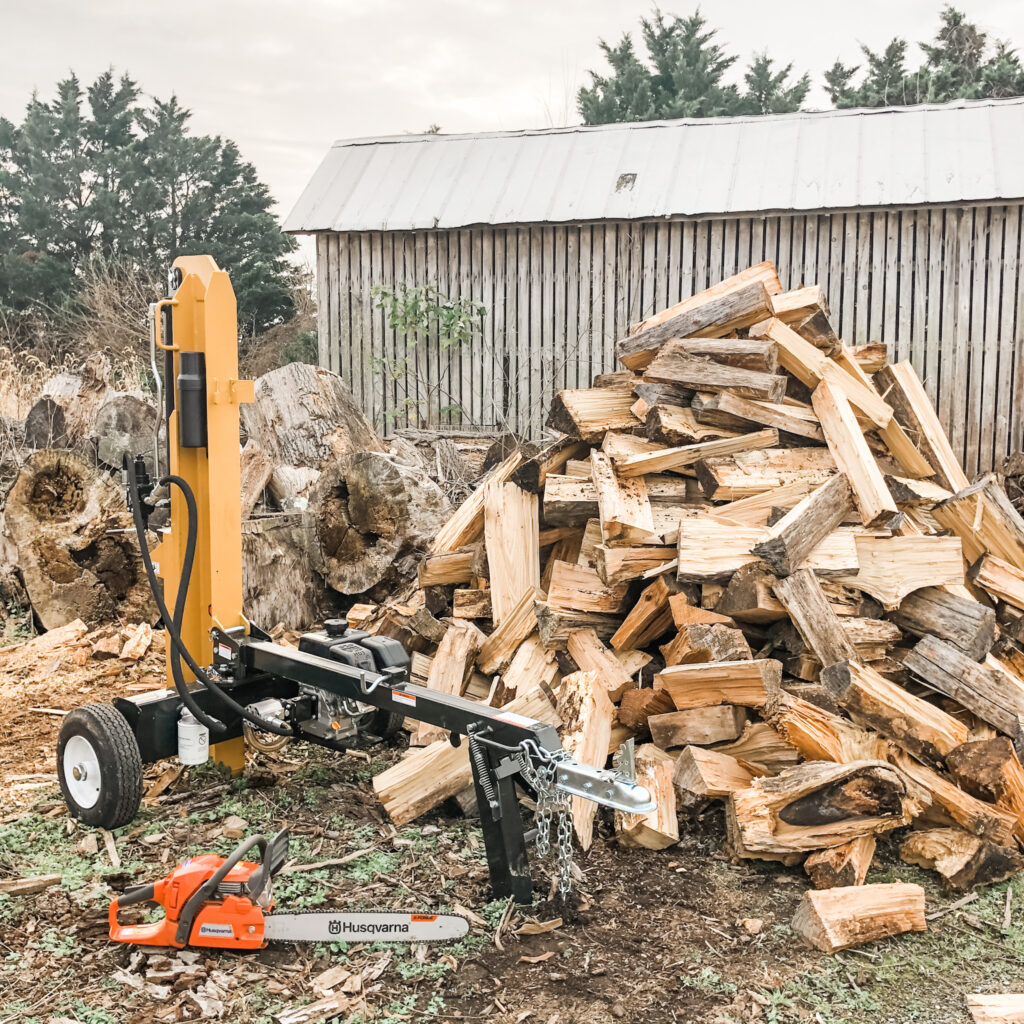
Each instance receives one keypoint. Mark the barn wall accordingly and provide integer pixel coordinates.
(941, 285)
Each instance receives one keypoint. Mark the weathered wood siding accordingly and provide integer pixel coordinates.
(940, 285)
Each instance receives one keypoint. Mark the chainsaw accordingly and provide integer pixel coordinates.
(227, 903)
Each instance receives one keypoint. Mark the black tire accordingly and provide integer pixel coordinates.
(120, 766)
(386, 723)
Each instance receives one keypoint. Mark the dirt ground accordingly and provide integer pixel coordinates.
(682, 935)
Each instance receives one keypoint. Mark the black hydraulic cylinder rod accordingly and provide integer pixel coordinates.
(192, 400)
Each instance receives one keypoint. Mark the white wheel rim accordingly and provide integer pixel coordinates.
(81, 771)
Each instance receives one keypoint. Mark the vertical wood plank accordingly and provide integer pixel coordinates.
(544, 332)
(324, 281)
(1004, 273)
(988, 252)
(650, 271)
(961, 383)
(612, 304)
(890, 328)
(339, 303)
(876, 289)
(1015, 296)
(574, 258)
(500, 385)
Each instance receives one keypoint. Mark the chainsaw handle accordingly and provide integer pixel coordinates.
(136, 894)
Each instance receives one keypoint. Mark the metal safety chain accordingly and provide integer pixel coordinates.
(539, 768)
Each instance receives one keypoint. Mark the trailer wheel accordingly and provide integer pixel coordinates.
(99, 767)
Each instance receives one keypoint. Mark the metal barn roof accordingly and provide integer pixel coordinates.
(891, 156)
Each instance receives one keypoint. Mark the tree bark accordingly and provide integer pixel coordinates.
(61, 515)
(305, 417)
(65, 412)
(366, 513)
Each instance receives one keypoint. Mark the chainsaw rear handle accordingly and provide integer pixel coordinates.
(136, 894)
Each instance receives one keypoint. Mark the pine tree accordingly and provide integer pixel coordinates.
(98, 174)
(684, 76)
(958, 65)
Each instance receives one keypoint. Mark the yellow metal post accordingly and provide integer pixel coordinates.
(204, 319)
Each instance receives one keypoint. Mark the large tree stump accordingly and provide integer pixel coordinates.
(60, 514)
(305, 417)
(367, 514)
(279, 584)
(65, 411)
(125, 424)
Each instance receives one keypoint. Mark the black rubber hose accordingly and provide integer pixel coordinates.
(173, 622)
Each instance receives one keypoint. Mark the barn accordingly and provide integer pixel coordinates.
(909, 218)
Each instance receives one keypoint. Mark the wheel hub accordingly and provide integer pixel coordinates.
(82, 771)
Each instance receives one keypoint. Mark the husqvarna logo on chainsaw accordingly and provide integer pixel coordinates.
(218, 930)
(334, 927)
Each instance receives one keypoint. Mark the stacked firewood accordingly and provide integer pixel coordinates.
(753, 551)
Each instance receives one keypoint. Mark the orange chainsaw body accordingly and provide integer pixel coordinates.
(226, 922)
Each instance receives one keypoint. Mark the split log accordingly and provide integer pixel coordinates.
(705, 775)
(623, 506)
(555, 625)
(819, 804)
(908, 493)
(659, 828)
(790, 541)
(279, 584)
(699, 726)
(125, 424)
(497, 650)
(852, 455)
(305, 418)
(1002, 1008)
(256, 472)
(820, 735)
(999, 579)
(577, 588)
(991, 770)
(76, 546)
(994, 695)
(871, 357)
(734, 412)
(762, 749)
(447, 567)
(425, 777)
(585, 648)
(872, 701)
(985, 521)
(811, 366)
(841, 866)
(569, 501)
(65, 412)
(937, 611)
(764, 272)
(977, 817)
(617, 565)
(752, 684)
(471, 604)
(639, 706)
(902, 389)
(588, 413)
(450, 670)
(818, 625)
(512, 543)
(674, 364)
(962, 860)
(683, 613)
(649, 619)
(687, 455)
(467, 524)
(890, 568)
(712, 550)
(835, 919)
(673, 424)
(756, 509)
(698, 643)
(587, 715)
(712, 318)
(748, 473)
(366, 512)
(532, 665)
(744, 353)
(750, 597)
(531, 474)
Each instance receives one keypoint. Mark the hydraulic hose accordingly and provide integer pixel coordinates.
(173, 622)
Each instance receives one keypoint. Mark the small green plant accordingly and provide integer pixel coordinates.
(303, 349)
(416, 314)
(708, 980)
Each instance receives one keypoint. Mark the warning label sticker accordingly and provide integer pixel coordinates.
(403, 698)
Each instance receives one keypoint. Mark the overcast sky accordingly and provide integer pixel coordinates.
(284, 79)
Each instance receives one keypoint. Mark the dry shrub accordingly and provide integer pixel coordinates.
(22, 377)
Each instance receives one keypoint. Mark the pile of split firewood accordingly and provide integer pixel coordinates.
(753, 551)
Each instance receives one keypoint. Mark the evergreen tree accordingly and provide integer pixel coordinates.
(684, 75)
(100, 174)
(958, 65)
